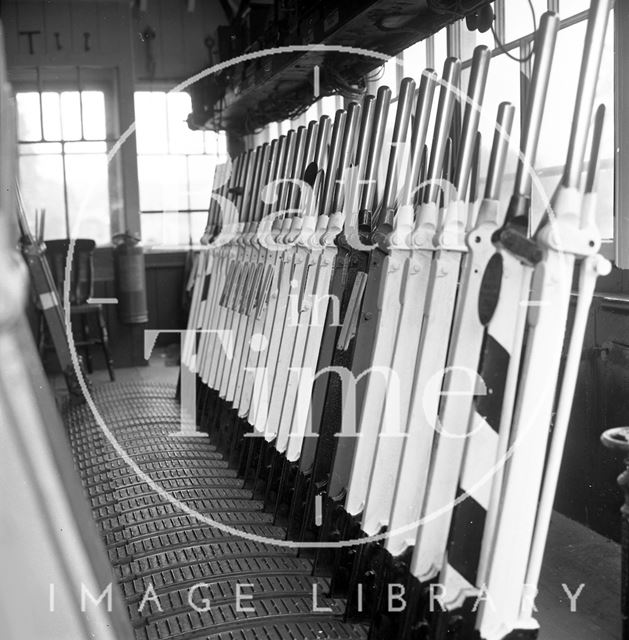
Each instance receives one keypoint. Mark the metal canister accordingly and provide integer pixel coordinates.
(130, 278)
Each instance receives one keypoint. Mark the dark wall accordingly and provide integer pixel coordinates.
(587, 490)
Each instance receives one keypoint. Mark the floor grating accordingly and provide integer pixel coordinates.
(182, 578)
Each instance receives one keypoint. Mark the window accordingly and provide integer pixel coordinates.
(175, 169)
(63, 165)
(518, 18)
(414, 60)
(437, 47)
(390, 74)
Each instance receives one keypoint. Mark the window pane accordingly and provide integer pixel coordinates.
(150, 121)
(163, 184)
(181, 138)
(605, 191)
(198, 221)
(94, 115)
(88, 197)
(40, 148)
(414, 60)
(71, 115)
(389, 77)
(28, 122)
(201, 174)
(311, 113)
(296, 122)
(572, 7)
(214, 142)
(519, 18)
(86, 147)
(167, 229)
(222, 144)
(41, 178)
(440, 40)
(327, 106)
(274, 130)
(51, 111)
(486, 38)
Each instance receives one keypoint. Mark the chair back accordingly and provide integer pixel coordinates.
(82, 271)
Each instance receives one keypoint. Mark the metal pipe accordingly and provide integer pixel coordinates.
(360, 157)
(234, 183)
(544, 48)
(323, 135)
(396, 155)
(284, 173)
(471, 118)
(366, 124)
(597, 134)
(253, 165)
(370, 173)
(297, 169)
(345, 154)
(325, 203)
(269, 153)
(262, 169)
(425, 98)
(475, 173)
(275, 171)
(311, 145)
(499, 149)
(445, 108)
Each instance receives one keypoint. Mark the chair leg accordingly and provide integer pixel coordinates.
(104, 336)
(85, 329)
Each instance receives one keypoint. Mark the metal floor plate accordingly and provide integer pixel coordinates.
(182, 578)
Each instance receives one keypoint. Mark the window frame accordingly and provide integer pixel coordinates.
(43, 79)
(218, 155)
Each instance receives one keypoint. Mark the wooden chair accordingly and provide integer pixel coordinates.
(81, 286)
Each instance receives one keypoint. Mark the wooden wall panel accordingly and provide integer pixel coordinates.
(30, 17)
(58, 34)
(86, 24)
(106, 22)
(196, 27)
(111, 36)
(142, 21)
(179, 48)
(9, 23)
(171, 38)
